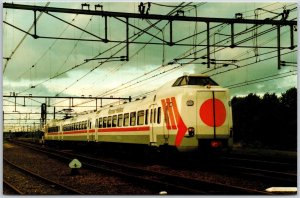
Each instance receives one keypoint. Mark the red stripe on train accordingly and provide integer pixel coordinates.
(74, 132)
(180, 124)
(128, 129)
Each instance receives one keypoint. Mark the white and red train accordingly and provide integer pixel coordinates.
(190, 113)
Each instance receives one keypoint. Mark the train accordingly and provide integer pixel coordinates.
(190, 113)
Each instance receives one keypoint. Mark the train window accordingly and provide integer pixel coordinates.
(158, 114)
(120, 120)
(104, 122)
(126, 119)
(96, 123)
(154, 119)
(184, 81)
(146, 116)
(109, 121)
(132, 118)
(141, 117)
(177, 82)
(85, 125)
(196, 80)
(100, 123)
(114, 121)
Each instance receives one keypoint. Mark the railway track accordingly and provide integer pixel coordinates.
(33, 183)
(280, 173)
(173, 184)
(10, 189)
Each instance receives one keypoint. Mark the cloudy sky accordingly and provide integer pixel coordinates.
(50, 67)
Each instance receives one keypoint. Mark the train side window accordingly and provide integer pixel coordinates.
(126, 119)
(132, 118)
(120, 120)
(114, 121)
(184, 81)
(109, 121)
(158, 115)
(104, 122)
(141, 117)
(146, 116)
(85, 125)
(177, 82)
(100, 122)
(151, 115)
(96, 123)
(154, 119)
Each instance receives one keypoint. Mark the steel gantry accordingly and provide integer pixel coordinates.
(170, 19)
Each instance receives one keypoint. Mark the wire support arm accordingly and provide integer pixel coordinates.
(101, 39)
(149, 16)
(144, 31)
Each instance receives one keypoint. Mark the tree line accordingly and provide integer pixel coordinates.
(269, 121)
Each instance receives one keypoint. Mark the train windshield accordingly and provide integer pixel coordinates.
(194, 80)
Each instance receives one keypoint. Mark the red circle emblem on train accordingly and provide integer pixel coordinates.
(207, 115)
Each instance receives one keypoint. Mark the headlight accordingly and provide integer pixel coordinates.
(191, 131)
(190, 103)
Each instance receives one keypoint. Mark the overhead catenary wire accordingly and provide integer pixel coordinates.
(180, 66)
(83, 63)
(22, 40)
(45, 52)
(137, 34)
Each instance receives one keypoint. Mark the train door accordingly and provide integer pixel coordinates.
(213, 108)
(90, 136)
(153, 124)
(96, 130)
(61, 132)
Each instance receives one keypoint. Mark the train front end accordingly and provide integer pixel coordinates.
(206, 114)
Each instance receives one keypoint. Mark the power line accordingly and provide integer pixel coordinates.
(23, 38)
